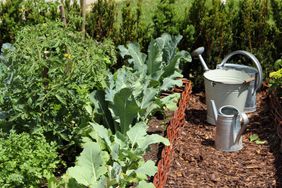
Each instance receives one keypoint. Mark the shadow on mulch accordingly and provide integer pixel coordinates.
(266, 131)
(208, 142)
(198, 164)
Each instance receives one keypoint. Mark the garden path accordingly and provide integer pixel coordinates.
(198, 164)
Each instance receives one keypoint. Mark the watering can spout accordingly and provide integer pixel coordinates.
(214, 109)
(198, 53)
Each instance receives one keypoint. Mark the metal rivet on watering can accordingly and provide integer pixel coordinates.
(229, 132)
(228, 86)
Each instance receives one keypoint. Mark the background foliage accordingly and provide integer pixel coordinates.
(46, 79)
(26, 160)
(254, 26)
(47, 74)
(17, 13)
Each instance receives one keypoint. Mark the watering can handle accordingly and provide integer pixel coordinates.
(258, 79)
(245, 120)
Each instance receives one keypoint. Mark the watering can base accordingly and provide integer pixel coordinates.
(250, 109)
(233, 148)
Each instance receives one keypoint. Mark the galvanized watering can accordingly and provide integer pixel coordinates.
(228, 136)
(227, 86)
(250, 105)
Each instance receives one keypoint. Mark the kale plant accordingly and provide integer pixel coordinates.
(116, 160)
(133, 93)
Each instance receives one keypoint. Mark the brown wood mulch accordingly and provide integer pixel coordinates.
(198, 164)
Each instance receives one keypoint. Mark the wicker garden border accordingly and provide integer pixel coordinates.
(276, 112)
(172, 133)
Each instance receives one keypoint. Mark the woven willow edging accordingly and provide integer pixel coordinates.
(172, 133)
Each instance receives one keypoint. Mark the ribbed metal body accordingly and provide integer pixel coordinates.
(227, 129)
(228, 136)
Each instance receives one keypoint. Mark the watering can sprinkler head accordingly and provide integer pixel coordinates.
(198, 53)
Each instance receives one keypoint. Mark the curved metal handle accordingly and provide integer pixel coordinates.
(258, 81)
(245, 120)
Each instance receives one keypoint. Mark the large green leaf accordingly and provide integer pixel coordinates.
(110, 90)
(170, 101)
(148, 97)
(102, 132)
(91, 165)
(101, 108)
(171, 81)
(137, 133)
(152, 139)
(170, 46)
(138, 136)
(105, 134)
(125, 77)
(154, 61)
(125, 109)
(173, 64)
(147, 169)
(148, 103)
(137, 57)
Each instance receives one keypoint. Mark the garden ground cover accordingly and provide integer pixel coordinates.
(198, 164)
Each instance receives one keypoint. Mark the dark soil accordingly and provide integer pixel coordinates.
(197, 163)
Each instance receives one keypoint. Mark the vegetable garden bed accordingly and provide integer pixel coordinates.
(194, 162)
(172, 132)
(74, 113)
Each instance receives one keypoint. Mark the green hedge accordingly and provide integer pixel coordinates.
(254, 26)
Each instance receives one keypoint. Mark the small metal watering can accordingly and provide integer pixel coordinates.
(228, 136)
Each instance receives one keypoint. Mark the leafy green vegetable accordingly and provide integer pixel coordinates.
(91, 165)
(133, 93)
(138, 136)
(161, 65)
(26, 161)
(125, 108)
(255, 138)
(170, 101)
(47, 78)
(115, 159)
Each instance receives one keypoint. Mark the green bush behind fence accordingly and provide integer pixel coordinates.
(255, 26)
